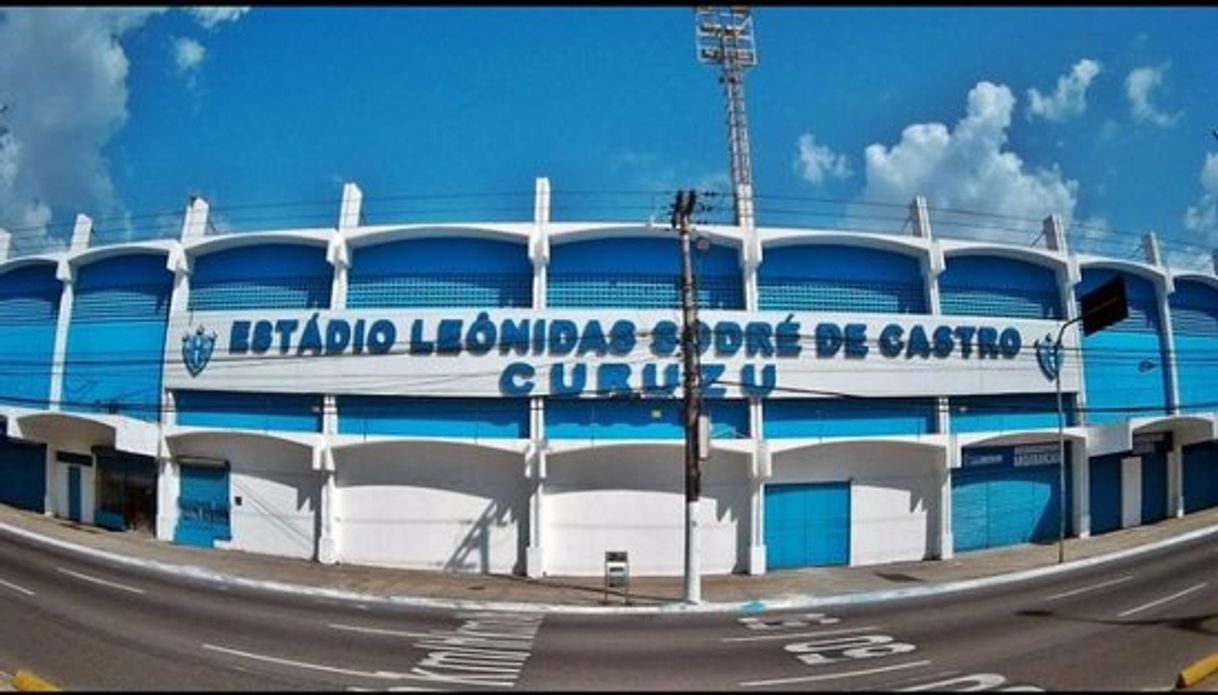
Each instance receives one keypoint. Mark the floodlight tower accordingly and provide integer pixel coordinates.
(725, 38)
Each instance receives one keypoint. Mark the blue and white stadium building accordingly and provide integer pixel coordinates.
(504, 397)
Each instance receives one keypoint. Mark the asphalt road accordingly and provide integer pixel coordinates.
(85, 624)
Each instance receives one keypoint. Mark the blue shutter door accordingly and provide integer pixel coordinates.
(807, 525)
(23, 481)
(1200, 477)
(1154, 487)
(1001, 506)
(203, 507)
(1105, 491)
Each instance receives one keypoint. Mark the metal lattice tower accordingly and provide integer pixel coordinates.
(725, 38)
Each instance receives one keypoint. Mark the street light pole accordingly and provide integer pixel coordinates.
(1061, 442)
(692, 385)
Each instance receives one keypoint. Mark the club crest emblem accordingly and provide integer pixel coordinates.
(196, 349)
(1050, 360)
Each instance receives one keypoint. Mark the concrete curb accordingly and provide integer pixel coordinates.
(1197, 672)
(27, 682)
(781, 602)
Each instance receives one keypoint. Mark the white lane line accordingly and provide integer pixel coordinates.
(1161, 601)
(800, 635)
(388, 675)
(831, 676)
(103, 582)
(1101, 585)
(14, 587)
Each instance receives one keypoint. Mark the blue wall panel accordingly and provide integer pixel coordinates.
(1200, 476)
(22, 474)
(489, 418)
(117, 336)
(1194, 317)
(29, 309)
(1154, 488)
(267, 276)
(1124, 364)
(583, 418)
(640, 273)
(288, 412)
(828, 277)
(996, 286)
(997, 506)
(1104, 489)
(807, 524)
(1008, 412)
(806, 417)
(441, 272)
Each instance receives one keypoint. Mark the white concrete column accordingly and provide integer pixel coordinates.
(1131, 491)
(81, 233)
(1068, 275)
(539, 241)
(947, 536)
(66, 274)
(1175, 481)
(535, 471)
(49, 497)
(350, 214)
(1163, 291)
(759, 471)
(5, 241)
(169, 488)
(194, 224)
(327, 551)
(1082, 489)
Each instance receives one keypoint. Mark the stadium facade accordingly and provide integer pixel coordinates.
(506, 397)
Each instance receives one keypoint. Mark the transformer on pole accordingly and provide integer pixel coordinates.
(725, 38)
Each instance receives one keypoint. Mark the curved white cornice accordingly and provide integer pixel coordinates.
(1040, 257)
(907, 245)
(340, 443)
(383, 234)
(213, 244)
(935, 442)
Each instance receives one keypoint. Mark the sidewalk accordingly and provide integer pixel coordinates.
(588, 592)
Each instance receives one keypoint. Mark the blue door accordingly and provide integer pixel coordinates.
(1200, 476)
(203, 516)
(807, 524)
(1104, 489)
(999, 506)
(23, 481)
(1154, 487)
(74, 493)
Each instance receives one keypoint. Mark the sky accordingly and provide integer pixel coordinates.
(998, 116)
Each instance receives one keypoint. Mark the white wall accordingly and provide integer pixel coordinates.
(88, 490)
(431, 506)
(1131, 491)
(278, 490)
(632, 498)
(894, 496)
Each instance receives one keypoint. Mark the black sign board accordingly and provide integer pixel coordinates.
(1104, 306)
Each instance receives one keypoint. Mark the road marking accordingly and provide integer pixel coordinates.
(103, 582)
(14, 587)
(1161, 601)
(800, 635)
(387, 675)
(831, 676)
(1101, 585)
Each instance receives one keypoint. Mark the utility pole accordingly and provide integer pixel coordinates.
(695, 448)
(724, 36)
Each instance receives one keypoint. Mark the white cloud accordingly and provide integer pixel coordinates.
(1070, 97)
(966, 168)
(1138, 86)
(817, 162)
(211, 17)
(188, 53)
(63, 75)
(1203, 217)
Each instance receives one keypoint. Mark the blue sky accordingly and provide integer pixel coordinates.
(266, 112)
